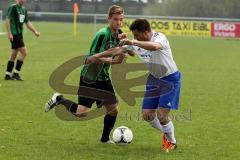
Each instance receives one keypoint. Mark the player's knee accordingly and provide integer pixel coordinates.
(113, 112)
(13, 57)
(81, 115)
(163, 120)
(24, 55)
(112, 109)
(148, 116)
(82, 111)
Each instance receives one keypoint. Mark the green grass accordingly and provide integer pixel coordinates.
(210, 88)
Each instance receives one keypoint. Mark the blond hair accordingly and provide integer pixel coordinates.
(115, 9)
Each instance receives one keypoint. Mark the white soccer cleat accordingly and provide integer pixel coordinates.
(52, 102)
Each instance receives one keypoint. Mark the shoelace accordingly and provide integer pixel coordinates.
(50, 102)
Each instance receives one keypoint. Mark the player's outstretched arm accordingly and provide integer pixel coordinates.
(147, 45)
(118, 59)
(106, 56)
(32, 28)
(112, 60)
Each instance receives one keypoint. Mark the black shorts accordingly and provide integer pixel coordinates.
(17, 41)
(106, 89)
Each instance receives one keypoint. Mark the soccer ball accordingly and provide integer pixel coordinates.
(122, 135)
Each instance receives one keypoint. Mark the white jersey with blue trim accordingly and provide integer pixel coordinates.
(160, 63)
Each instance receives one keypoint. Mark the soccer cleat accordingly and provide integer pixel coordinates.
(164, 142)
(53, 101)
(166, 145)
(17, 77)
(108, 142)
(171, 147)
(8, 77)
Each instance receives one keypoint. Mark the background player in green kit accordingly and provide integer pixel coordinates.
(16, 17)
(97, 77)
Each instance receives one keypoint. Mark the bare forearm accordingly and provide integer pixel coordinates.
(107, 53)
(106, 56)
(31, 27)
(105, 60)
(8, 26)
(118, 59)
(112, 60)
(152, 46)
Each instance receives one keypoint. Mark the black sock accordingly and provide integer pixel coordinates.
(10, 66)
(109, 122)
(70, 105)
(19, 65)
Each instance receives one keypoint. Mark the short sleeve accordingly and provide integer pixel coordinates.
(97, 44)
(160, 38)
(10, 12)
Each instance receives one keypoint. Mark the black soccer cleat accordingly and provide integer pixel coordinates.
(8, 77)
(17, 77)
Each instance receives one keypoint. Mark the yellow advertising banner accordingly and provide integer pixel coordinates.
(176, 28)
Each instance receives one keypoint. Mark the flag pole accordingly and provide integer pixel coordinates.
(75, 13)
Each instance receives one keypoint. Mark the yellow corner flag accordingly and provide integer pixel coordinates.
(75, 12)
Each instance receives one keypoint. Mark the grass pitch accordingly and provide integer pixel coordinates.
(206, 124)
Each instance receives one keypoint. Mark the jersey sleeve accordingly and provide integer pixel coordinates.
(97, 44)
(26, 17)
(10, 12)
(160, 38)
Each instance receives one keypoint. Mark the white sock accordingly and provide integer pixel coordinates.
(168, 129)
(8, 73)
(16, 71)
(155, 123)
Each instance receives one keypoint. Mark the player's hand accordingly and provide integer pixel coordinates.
(125, 50)
(37, 34)
(126, 42)
(131, 53)
(10, 37)
(122, 36)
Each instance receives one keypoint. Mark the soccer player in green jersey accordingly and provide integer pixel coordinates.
(97, 78)
(16, 16)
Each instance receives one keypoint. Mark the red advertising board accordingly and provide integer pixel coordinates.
(225, 29)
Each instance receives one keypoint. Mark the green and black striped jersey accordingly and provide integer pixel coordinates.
(17, 15)
(103, 40)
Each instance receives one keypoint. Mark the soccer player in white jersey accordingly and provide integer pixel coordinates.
(154, 49)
